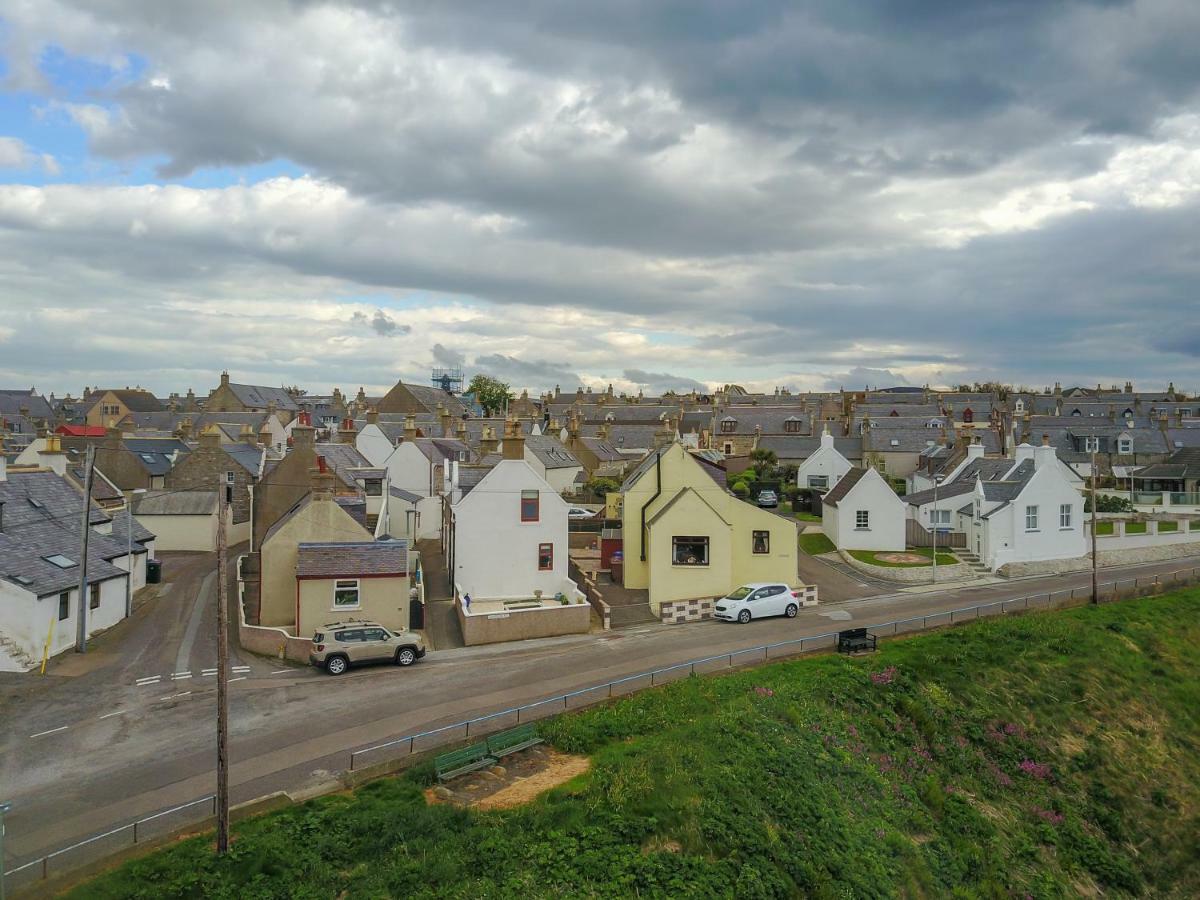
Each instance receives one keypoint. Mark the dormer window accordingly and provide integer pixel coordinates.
(1091, 445)
(1020, 406)
(968, 415)
(728, 425)
(791, 426)
(1124, 444)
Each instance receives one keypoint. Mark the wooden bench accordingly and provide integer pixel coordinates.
(460, 762)
(505, 742)
(855, 639)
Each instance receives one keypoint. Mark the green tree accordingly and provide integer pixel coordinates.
(603, 486)
(491, 393)
(763, 462)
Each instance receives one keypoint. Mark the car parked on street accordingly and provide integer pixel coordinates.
(580, 512)
(339, 645)
(758, 601)
(768, 499)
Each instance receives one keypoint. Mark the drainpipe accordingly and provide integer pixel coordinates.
(658, 490)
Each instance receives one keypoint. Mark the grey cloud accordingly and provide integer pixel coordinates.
(447, 357)
(862, 376)
(521, 373)
(661, 382)
(381, 323)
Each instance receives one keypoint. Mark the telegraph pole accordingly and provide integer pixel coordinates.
(222, 679)
(85, 528)
(1095, 561)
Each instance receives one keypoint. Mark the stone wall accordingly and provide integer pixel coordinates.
(1126, 557)
(908, 575)
(523, 624)
(205, 468)
(675, 612)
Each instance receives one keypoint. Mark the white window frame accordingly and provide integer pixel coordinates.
(1066, 512)
(1125, 446)
(818, 481)
(862, 520)
(1091, 445)
(940, 517)
(1031, 517)
(347, 584)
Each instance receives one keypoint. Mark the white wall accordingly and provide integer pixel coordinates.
(886, 528)
(373, 444)
(25, 620)
(409, 469)
(825, 460)
(495, 553)
(1009, 541)
(182, 532)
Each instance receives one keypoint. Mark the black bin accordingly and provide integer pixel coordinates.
(153, 571)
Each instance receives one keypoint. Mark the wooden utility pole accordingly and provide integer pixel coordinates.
(222, 678)
(1095, 561)
(85, 529)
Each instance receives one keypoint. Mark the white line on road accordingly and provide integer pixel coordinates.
(235, 668)
(51, 731)
(151, 680)
(207, 671)
(183, 693)
(231, 680)
(119, 712)
(277, 671)
(176, 676)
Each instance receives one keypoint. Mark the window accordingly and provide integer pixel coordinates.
(792, 426)
(728, 426)
(64, 606)
(374, 487)
(345, 594)
(374, 634)
(761, 542)
(940, 518)
(545, 557)
(689, 551)
(862, 519)
(229, 478)
(1125, 445)
(530, 506)
(728, 449)
(818, 481)
(94, 596)
(1031, 518)
(59, 560)
(968, 416)
(1091, 445)
(1064, 516)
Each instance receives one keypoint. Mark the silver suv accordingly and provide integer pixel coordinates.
(339, 645)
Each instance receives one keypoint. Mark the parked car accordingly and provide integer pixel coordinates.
(579, 512)
(768, 499)
(757, 601)
(339, 645)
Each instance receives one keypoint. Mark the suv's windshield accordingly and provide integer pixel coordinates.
(740, 594)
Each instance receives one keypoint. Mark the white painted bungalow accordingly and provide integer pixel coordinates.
(824, 468)
(862, 512)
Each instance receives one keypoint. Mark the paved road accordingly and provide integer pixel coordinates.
(292, 729)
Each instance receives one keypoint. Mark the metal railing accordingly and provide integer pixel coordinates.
(421, 742)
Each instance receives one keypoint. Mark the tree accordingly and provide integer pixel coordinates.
(491, 393)
(603, 486)
(763, 462)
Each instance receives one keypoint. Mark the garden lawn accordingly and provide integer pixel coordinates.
(815, 543)
(1051, 755)
(1104, 527)
(869, 557)
(1135, 527)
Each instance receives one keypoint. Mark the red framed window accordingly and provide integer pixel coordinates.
(545, 557)
(530, 506)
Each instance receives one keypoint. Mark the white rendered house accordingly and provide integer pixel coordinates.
(824, 468)
(862, 512)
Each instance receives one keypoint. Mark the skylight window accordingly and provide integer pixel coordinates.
(148, 457)
(61, 561)
(23, 579)
(36, 503)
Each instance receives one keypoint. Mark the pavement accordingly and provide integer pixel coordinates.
(82, 754)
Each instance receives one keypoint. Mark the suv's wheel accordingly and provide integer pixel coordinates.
(744, 616)
(406, 656)
(791, 611)
(335, 665)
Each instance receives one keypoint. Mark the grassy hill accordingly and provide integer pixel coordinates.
(1052, 755)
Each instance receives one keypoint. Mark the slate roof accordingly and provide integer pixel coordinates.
(1004, 492)
(1183, 463)
(341, 458)
(409, 496)
(175, 503)
(153, 454)
(625, 436)
(550, 452)
(603, 450)
(986, 469)
(352, 560)
(1180, 438)
(786, 446)
(256, 395)
(642, 468)
(907, 440)
(249, 458)
(470, 476)
(842, 488)
(12, 400)
(944, 492)
(769, 419)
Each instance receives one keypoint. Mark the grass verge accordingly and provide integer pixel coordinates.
(1050, 755)
(816, 543)
(871, 557)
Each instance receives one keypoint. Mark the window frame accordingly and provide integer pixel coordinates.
(862, 520)
(1032, 517)
(1124, 446)
(94, 595)
(545, 558)
(533, 514)
(1091, 445)
(763, 535)
(346, 585)
(64, 606)
(698, 540)
(1066, 516)
(823, 486)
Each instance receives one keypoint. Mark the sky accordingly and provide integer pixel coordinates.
(654, 195)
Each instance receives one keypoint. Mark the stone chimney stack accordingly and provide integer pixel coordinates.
(488, 442)
(224, 380)
(1129, 387)
(975, 449)
(303, 434)
(322, 480)
(460, 430)
(185, 429)
(1163, 421)
(346, 432)
(1179, 416)
(372, 415)
(210, 437)
(514, 440)
(444, 419)
(247, 436)
(1112, 413)
(573, 426)
(410, 427)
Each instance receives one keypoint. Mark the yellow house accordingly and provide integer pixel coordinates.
(367, 580)
(685, 536)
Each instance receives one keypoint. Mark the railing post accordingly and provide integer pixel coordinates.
(135, 825)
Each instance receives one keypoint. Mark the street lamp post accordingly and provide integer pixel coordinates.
(937, 479)
(4, 807)
(128, 555)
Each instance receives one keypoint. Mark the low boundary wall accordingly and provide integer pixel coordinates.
(264, 639)
(910, 574)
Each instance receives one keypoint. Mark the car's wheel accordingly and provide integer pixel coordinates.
(744, 616)
(791, 611)
(406, 656)
(335, 665)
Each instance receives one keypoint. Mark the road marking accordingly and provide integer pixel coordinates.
(280, 671)
(207, 672)
(241, 668)
(232, 680)
(150, 680)
(199, 602)
(184, 694)
(119, 712)
(179, 676)
(51, 731)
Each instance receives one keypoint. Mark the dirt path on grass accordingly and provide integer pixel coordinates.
(522, 778)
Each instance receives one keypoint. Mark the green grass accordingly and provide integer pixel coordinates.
(1135, 527)
(870, 557)
(1050, 755)
(816, 543)
(1194, 525)
(1102, 527)
(1163, 526)
(785, 507)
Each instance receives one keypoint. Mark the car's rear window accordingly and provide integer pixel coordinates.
(740, 594)
(318, 637)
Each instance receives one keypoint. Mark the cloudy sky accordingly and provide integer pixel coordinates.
(647, 194)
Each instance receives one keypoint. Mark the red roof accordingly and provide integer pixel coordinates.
(81, 430)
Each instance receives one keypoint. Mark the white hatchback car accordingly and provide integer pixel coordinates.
(758, 601)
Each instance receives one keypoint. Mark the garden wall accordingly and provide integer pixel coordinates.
(908, 575)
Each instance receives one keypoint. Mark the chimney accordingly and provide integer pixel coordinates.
(557, 391)
(303, 436)
(361, 397)
(826, 437)
(1043, 455)
(225, 378)
(191, 400)
(1162, 420)
(1179, 416)
(974, 450)
(210, 437)
(1057, 389)
(271, 408)
(372, 415)
(514, 440)
(1024, 451)
(604, 431)
(460, 430)
(3, 466)
(322, 480)
(444, 418)
(185, 429)
(1129, 387)
(1112, 413)
(346, 433)
(247, 436)
(488, 442)
(410, 427)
